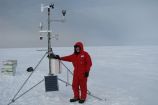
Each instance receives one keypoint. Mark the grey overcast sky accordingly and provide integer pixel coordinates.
(95, 22)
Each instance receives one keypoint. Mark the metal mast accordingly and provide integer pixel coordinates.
(48, 31)
(49, 41)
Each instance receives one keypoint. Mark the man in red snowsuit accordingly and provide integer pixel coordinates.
(81, 61)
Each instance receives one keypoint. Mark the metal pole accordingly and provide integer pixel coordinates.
(49, 41)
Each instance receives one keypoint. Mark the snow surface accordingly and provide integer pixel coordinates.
(124, 75)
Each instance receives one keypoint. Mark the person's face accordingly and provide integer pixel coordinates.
(77, 49)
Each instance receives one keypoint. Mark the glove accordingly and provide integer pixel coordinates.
(86, 74)
(57, 57)
(53, 56)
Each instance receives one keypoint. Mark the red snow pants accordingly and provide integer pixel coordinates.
(79, 86)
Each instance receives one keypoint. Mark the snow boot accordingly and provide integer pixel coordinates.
(73, 100)
(81, 101)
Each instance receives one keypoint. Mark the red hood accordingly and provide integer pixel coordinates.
(80, 44)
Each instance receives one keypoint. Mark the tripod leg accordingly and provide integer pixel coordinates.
(13, 99)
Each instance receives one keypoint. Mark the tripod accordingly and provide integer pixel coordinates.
(16, 97)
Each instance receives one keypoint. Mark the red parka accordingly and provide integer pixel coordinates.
(82, 63)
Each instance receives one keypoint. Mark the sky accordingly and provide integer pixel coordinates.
(94, 22)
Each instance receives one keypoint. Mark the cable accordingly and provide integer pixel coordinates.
(66, 67)
(67, 77)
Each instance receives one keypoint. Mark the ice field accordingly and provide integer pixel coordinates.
(124, 75)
